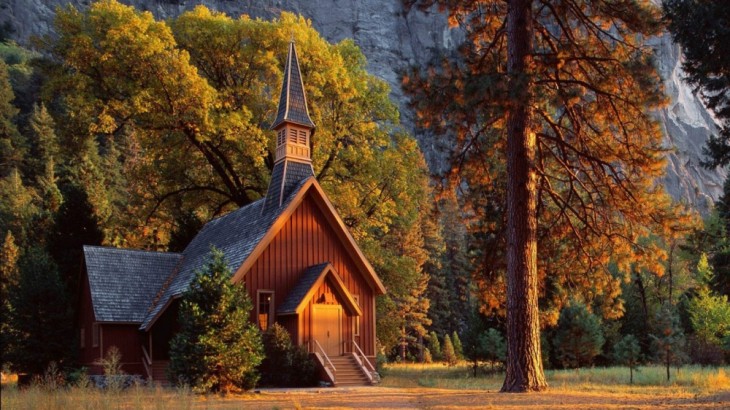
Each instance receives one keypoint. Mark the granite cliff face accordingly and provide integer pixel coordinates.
(394, 38)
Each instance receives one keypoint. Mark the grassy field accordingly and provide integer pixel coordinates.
(694, 379)
(420, 386)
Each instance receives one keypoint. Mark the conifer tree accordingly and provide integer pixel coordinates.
(9, 255)
(549, 104)
(628, 352)
(41, 316)
(579, 337)
(709, 313)
(668, 340)
(449, 287)
(74, 226)
(18, 206)
(495, 348)
(43, 141)
(458, 348)
(449, 353)
(217, 349)
(700, 28)
(435, 346)
(12, 143)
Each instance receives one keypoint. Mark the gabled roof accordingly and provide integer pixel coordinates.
(292, 101)
(311, 186)
(309, 281)
(236, 234)
(124, 281)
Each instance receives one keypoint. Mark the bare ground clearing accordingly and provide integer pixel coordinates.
(368, 398)
(426, 398)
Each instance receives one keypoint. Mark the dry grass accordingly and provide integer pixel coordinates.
(420, 386)
(693, 379)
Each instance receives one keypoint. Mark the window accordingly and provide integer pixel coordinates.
(292, 136)
(302, 137)
(356, 331)
(280, 137)
(95, 335)
(265, 309)
(82, 338)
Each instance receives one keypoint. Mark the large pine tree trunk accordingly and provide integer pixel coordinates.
(524, 362)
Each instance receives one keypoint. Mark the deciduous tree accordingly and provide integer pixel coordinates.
(178, 112)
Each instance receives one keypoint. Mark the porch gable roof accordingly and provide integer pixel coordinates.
(310, 280)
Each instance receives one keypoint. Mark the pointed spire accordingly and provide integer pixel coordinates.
(293, 101)
(294, 128)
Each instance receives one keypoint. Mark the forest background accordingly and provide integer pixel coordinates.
(128, 131)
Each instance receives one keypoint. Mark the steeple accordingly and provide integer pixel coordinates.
(294, 128)
(292, 124)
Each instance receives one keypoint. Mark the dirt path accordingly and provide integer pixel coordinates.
(422, 398)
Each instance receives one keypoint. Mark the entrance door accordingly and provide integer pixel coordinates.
(326, 328)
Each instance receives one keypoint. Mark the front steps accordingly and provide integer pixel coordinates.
(159, 372)
(348, 372)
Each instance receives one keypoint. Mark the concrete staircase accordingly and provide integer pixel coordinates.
(159, 372)
(348, 372)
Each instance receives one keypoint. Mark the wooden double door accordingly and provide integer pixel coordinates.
(327, 328)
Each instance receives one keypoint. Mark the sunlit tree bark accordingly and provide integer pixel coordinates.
(524, 364)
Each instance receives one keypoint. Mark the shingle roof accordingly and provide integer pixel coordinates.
(236, 234)
(310, 279)
(284, 178)
(292, 101)
(123, 282)
(299, 291)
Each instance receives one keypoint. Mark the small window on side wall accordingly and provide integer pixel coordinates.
(356, 331)
(265, 309)
(95, 335)
(82, 338)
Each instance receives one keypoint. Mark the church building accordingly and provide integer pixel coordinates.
(299, 263)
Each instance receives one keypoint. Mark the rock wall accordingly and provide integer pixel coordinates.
(394, 39)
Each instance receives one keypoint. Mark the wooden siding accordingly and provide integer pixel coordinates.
(88, 354)
(128, 339)
(307, 239)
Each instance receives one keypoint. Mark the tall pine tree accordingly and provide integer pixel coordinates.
(554, 100)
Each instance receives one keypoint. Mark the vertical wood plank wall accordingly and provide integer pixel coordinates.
(306, 240)
(85, 319)
(128, 339)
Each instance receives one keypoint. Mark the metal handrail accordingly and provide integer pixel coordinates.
(372, 368)
(147, 362)
(325, 355)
